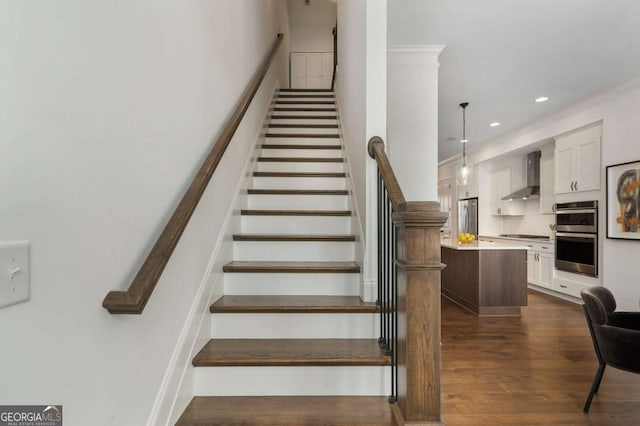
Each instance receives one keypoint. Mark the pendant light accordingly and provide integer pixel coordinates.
(464, 173)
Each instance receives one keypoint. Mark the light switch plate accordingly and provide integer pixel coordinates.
(14, 273)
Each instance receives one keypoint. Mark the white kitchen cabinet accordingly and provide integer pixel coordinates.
(572, 288)
(547, 199)
(540, 261)
(501, 186)
(577, 161)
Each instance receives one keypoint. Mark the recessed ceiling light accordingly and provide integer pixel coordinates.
(464, 140)
(542, 99)
(494, 124)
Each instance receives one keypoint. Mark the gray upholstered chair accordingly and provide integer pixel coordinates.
(615, 335)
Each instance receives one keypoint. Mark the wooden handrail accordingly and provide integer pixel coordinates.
(377, 152)
(134, 299)
(335, 55)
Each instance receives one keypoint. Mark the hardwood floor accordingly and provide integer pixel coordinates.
(533, 370)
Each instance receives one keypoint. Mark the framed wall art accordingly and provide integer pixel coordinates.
(623, 201)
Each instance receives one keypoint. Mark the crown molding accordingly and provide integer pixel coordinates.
(415, 54)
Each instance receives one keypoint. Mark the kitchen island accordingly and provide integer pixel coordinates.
(487, 278)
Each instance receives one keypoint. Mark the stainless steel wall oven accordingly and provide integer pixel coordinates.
(577, 237)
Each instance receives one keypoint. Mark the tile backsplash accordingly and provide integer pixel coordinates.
(531, 223)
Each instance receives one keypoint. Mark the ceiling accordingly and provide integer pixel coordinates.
(502, 54)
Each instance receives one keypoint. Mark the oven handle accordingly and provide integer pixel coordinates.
(576, 235)
(569, 211)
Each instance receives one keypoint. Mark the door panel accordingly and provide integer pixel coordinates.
(311, 70)
(298, 70)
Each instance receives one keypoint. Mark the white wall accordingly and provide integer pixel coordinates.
(413, 119)
(107, 109)
(311, 25)
(618, 108)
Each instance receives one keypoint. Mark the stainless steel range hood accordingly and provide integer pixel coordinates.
(532, 190)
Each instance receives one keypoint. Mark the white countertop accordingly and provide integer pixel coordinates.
(482, 245)
(533, 240)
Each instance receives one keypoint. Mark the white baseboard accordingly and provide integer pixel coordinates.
(555, 294)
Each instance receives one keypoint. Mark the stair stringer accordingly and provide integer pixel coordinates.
(178, 385)
(368, 287)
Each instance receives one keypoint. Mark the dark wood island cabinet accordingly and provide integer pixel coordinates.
(489, 279)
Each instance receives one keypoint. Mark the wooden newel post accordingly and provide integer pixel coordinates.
(419, 267)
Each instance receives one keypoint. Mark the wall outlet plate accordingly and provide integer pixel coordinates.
(14, 273)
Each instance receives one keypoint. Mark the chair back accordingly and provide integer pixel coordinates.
(614, 344)
(599, 302)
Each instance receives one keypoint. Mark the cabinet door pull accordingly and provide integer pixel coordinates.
(571, 185)
(576, 186)
(563, 286)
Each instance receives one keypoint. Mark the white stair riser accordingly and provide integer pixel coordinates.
(322, 284)
(303, 130)
(294, 326)
(298, 182)
(276, 120)
(303, 380)
(294, 251)
(308, 141)
(298, 153)
(298, 202)
(295, 225)
(273, 113)
(284, 166)
(303, 182)
(304, 97)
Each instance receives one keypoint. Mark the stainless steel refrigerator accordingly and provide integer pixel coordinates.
(468, 216)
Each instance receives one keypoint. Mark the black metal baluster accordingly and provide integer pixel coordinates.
(385, 296)
(394, 304)
(389, 260)
(380, 259)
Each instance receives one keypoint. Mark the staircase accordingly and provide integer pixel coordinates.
(292, 343)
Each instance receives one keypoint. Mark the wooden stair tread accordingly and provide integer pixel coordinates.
(291, 267)
(310, 96)
(303, 117)
(287, 411)
(291, 352)
(300, 146)
(303, 135)
(301, 102)
(256, 212)
(293, 237)
(254, 191)
(303, 126)
(307, 90)
(300, 160)
(301, 174)
(293, 304)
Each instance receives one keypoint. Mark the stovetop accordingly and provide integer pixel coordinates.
(526, 236)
